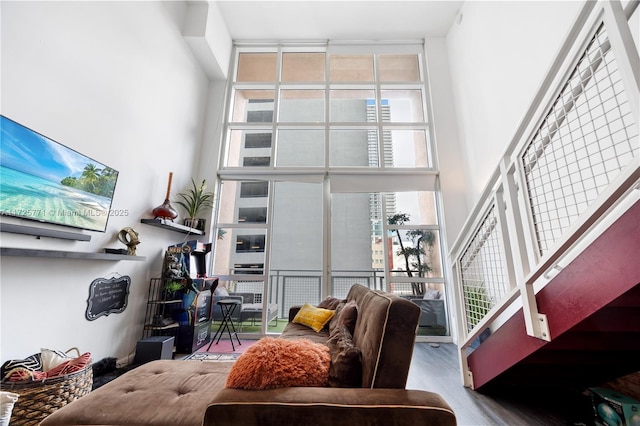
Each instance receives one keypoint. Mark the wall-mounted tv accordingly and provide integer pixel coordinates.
(43, 180)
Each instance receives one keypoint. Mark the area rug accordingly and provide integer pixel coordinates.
(221, 351)
(210, 356)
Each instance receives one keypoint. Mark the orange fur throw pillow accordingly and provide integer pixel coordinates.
(275, 363)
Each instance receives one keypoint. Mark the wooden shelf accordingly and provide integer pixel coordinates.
(60, 254)
(167, 224)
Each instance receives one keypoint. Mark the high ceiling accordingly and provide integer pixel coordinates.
(338, 20)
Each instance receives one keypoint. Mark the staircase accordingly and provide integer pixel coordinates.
(593, 306)
(563, 193)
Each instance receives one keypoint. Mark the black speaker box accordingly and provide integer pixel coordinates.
(154, 347)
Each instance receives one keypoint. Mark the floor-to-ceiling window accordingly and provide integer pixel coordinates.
(329, 178)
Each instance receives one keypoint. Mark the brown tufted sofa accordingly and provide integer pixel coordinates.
(193, 393)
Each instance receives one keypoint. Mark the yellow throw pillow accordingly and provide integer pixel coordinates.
(313, 317)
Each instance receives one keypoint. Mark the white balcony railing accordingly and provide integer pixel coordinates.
(572, 165)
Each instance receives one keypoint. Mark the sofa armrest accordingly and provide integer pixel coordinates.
(328, 406)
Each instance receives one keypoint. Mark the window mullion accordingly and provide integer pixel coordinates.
(379, 118)
(327, 116)
(276, 109)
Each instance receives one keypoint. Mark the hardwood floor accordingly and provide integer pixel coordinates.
(436, 369)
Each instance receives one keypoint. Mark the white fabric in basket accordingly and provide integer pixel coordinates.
(7, 400)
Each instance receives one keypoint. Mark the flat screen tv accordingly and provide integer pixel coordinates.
(43, 180)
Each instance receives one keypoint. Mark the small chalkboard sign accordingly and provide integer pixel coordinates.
(107, 296)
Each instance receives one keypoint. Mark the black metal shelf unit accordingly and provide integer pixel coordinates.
(180, 308)
(158, 318)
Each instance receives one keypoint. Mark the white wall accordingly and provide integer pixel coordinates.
(117, 82)
(453, 179)
(499, 53)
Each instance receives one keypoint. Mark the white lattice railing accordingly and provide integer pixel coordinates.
(572, 165)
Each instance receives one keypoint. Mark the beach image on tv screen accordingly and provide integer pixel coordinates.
(43, 180)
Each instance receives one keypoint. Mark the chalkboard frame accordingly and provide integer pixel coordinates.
(97, 308)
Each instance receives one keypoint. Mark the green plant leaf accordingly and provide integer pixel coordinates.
(195, 199)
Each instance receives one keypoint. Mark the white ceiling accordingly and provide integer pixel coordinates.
(338, 20)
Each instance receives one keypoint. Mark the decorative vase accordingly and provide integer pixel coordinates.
(165, 210)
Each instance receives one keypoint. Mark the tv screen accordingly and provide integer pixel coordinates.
(43, 180)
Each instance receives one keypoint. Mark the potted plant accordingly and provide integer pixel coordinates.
(193, 201)
(417, 258)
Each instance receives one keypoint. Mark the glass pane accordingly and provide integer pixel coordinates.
(254, 189)
(244, 144)
(240, 251)
(247, 320)
(399, 68)
(307, 67)
(402, 106)
(235, 196)
(252, 214)
(302, 106)
(253, 106)
(355, 68)
(297, 148)
(354, 148)
(256, 161)
(296, 249)
(433, 318)
(256, 67)
(354, 243)
(415, 253)
(353, 105)
(405, 148)
(418, 208)
(250, 243)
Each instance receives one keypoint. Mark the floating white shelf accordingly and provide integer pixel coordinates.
(60, 254)
(167, 224)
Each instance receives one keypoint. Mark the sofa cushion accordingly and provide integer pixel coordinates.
(163, 392)
(431, 294)
(274, 363)
(347, 315)
(345, 370)
(313, 317)
(385, 333)
(298, 331)
(328, 407)
(329, 302)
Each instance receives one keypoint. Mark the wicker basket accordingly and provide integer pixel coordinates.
(38, 399)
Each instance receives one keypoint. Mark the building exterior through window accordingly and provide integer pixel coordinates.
(328, 178)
